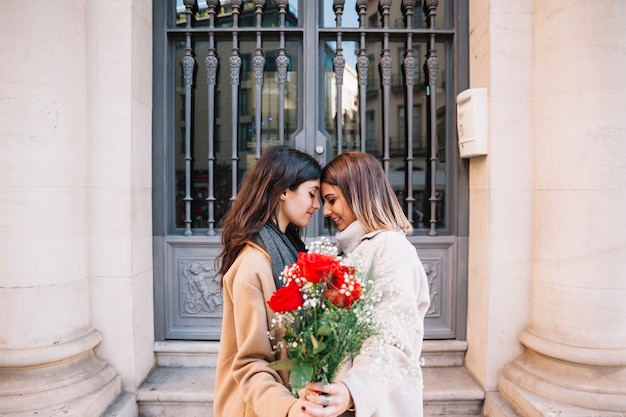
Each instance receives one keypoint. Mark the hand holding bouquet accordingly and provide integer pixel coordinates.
(324, 313)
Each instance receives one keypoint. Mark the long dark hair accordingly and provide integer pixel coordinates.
(365, 186)
(279, 168)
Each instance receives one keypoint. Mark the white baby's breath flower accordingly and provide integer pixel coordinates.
(322, 246)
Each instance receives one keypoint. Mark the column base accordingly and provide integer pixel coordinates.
(527, 404)
(539, 385)
(44, 382)
(93, 404)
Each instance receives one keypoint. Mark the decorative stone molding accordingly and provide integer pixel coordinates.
(200, 287)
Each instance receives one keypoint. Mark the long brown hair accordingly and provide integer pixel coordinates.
(365, 186)
(279, 168)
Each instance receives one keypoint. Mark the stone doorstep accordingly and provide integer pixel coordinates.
(436, 353)
(177, 391)
(497, 406)
(172, 391)
(451, 383)
(124, 406)
(182, 383)
(451, 392)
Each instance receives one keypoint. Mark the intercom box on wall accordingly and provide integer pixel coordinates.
(471, 111)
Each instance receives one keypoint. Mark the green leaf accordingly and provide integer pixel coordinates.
(319, 347)
(324, 330)
(285, 364)
(300, 375)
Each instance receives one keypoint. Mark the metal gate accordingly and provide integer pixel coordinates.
(234, 77)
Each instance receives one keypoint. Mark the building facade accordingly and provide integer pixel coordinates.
(534, 235)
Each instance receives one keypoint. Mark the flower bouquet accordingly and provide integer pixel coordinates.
(324, 313)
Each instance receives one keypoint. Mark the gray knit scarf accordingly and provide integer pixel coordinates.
(282, 247)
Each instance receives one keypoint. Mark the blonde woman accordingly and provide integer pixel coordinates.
(385, 379)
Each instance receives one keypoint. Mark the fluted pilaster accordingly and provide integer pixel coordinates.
(47, 360)
(576, 340)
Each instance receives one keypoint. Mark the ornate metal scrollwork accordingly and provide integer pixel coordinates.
(235, 66)
(258, 63)
(211, 62)
(282, 64)
(433, 67)
(409, 69)
(339, 63)
(362, 65)
(385, 68)
(188, 64)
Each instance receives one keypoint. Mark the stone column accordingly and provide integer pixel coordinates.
(47, 360)
(576, 340)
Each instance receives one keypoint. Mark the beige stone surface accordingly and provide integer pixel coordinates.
(500, 188)
(75, 163)
(120, 194)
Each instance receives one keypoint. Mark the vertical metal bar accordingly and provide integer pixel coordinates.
(235, 67)
(362, 65)
(385, 72)
(282, 63)
(339, 64)
(211, 62)
(188, 63)
(409, 65)
(432, 63)
(258, 62)
(310, 138)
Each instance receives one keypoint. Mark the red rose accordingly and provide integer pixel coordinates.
(343, 289)
(287, 298)
(316, 267)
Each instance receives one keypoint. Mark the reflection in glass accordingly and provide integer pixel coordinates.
(245, 122)
(349, 100)
(350, 17)
(419, 118)
(247, 14)
(359, 112)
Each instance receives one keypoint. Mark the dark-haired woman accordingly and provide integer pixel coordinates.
(260, 236)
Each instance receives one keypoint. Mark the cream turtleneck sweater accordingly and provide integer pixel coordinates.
(350, 237)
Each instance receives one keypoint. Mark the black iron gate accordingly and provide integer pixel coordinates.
(234, 77)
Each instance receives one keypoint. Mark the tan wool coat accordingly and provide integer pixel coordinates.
(244, 385)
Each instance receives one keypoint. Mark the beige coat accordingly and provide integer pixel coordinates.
(244, 385)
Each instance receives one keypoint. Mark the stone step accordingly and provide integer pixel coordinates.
(497, 406)
(181, 385)
(177, 392)
(451, 392)
(436, 353)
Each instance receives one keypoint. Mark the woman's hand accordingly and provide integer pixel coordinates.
(299, 408)
(326, 400)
